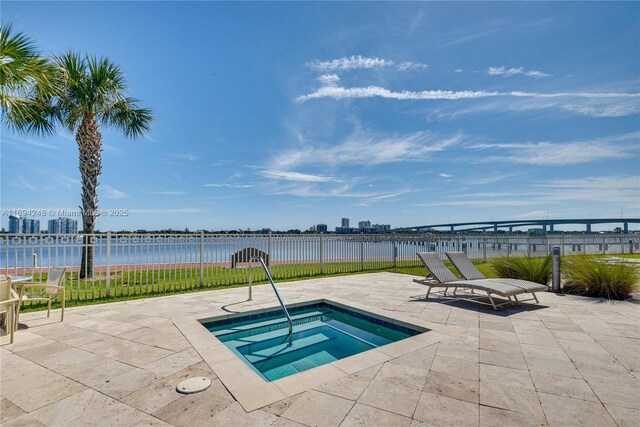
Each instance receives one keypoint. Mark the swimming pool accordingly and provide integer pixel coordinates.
(322, 333)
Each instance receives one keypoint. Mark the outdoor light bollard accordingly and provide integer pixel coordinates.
(555, 269)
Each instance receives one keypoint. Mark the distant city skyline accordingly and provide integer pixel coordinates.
(293, 114)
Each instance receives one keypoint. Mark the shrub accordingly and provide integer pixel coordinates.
(532, 269)
(587, 276)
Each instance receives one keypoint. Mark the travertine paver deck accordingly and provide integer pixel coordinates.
(567, 361)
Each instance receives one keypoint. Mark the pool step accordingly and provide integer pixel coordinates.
(280, 347)
(223, 334)
(271, 327)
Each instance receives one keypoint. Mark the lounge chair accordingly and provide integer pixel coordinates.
(8, 303)
(469, 271)
(53, 288)
(442, 277)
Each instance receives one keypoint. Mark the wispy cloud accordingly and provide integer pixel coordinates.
(231, 185)
(491, 179)
(562, 153)
(596, 190)
(409, 65)
(597, 107)
(445, 175)
(349, 63)
(185, 156)
(508, 72)
(22, 183)
(169, 193)
(355, 62)
(338, 92)
(112, 192)
(296, 176)
(600, 189)
(593, 104)
(363, 148)
(24, 140)
(166, 211)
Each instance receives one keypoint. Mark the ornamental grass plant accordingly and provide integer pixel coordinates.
(595, 278)
(532, 269)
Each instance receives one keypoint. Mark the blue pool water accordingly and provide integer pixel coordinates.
(322, 333)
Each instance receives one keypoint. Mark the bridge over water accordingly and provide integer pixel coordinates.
(546, 224)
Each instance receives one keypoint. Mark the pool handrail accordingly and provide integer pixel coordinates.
(273, 285)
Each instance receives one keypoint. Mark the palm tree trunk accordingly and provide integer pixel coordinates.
(90, 144)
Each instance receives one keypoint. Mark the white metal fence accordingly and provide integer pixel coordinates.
(138, 264)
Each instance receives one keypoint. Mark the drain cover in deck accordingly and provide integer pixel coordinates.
(193, 385)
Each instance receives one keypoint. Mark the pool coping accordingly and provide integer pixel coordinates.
(253, 392)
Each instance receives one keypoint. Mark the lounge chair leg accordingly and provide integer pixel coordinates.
(445, 292)
(10, 322)
(492, 303)
(17, 318)
(454, 290)
(535, 297)
(428, 292)
(516, 298)
(49, 308)
(62, 304)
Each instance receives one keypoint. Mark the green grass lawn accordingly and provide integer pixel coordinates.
(153, 283)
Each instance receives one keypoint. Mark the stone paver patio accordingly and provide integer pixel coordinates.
(567, 361)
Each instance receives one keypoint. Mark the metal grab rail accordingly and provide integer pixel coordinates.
(273, 285)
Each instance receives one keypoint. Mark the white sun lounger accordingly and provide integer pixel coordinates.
(469, 271)
(442, 277)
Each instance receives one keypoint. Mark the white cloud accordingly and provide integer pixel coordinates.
(337, 92)
(537, 74)
(23, 184)
(355, 62)
(113, 193)
(169, 193)
(296, 176)
(231, 185)
(403, 66)
(616, 105)
(186, 156)
(483, 203)
(594, 190)
(562, 153)
(490, 179)
(445, 175)
(329, 79)
(349, 63)
(166, 211)
(601, 189)
(594, 104)
(365, 149)
(508, 72)
(459, 70)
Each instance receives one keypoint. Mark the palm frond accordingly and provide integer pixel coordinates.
(126, 116)
(27, 83)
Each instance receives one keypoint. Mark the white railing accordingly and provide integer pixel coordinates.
(139, 264)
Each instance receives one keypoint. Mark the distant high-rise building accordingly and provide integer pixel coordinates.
(15, 224)
(63, 226)
(31, 226)
(381, 227)
(321, 228)
(364, 224)
(345, 222)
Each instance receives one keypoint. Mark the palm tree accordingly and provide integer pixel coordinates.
(92, 93)
(26, 78)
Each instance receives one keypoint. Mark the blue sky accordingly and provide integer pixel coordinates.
(285, 115)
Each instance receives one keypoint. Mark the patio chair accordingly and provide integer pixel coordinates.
(469, 271)
(8, 305)
(442, 277)
(53, 288)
